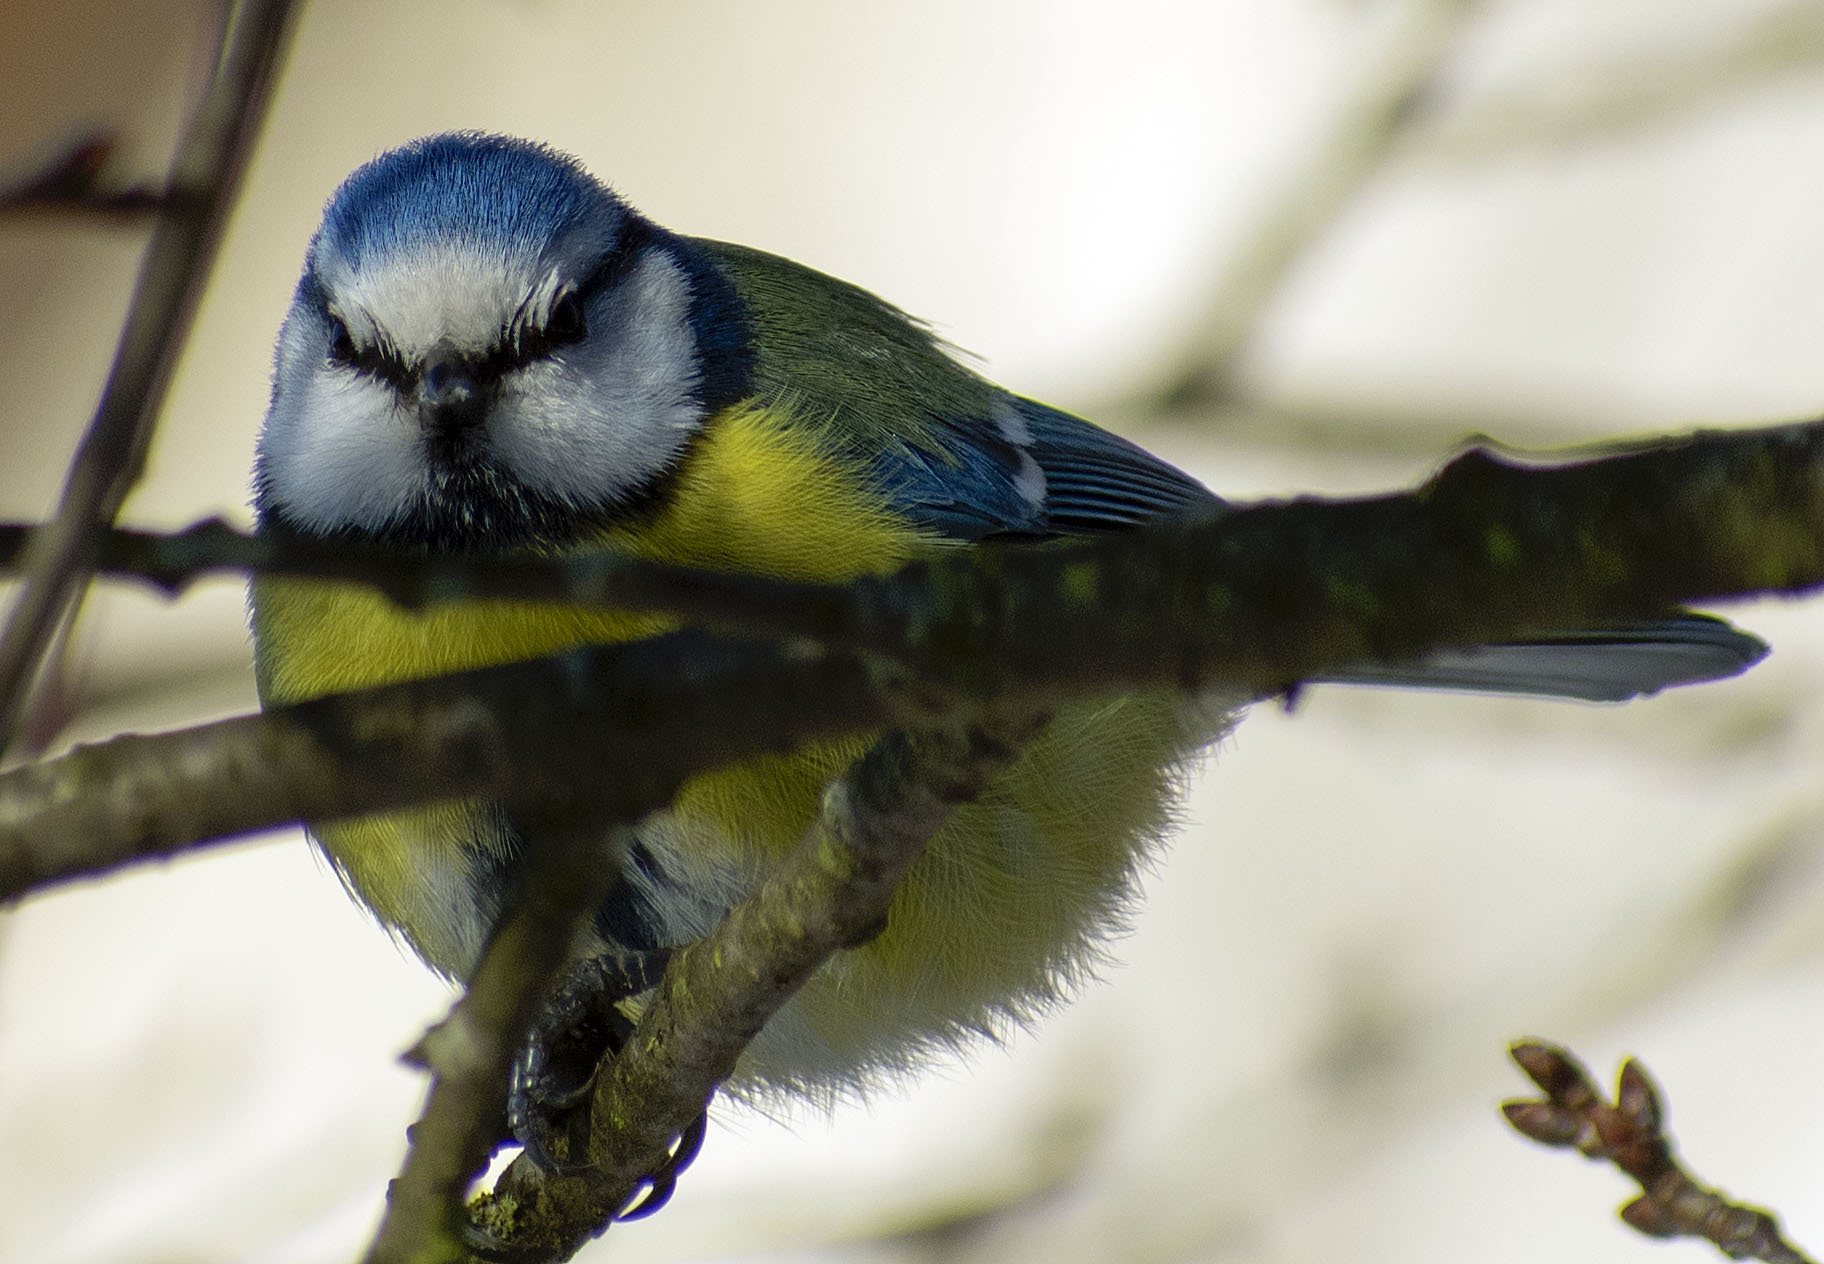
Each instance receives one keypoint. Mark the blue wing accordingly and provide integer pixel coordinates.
(1032, 471)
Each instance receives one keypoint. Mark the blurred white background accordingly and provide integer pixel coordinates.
(1293, 244)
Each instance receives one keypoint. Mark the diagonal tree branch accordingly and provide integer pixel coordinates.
(1373, 114)
(831, 893)
(528, 730)
(205, 177)
(578, 853)
(1587, 99)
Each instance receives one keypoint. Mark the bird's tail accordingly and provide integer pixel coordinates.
(1599, 665)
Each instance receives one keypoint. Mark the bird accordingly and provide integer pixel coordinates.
(490, 353)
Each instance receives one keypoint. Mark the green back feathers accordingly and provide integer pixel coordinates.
(825, 349)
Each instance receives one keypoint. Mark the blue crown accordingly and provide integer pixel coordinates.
(469, 187)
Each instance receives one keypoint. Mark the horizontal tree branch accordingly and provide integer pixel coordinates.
(1487, 542)
(524, 731)
(1256, 599)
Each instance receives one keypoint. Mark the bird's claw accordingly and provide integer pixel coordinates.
(578, 1030)
(652, 1194)
(664, 1182)
(549, 1090)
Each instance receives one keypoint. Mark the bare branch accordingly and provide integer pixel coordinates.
(831, 893)
(1631, 1135)
(527, 730)
(1255, 599)
(205, 176)
(1491, 547)
(70, 182)
(1592, 99)
(577, 857)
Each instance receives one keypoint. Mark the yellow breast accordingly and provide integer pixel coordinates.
(753, 496)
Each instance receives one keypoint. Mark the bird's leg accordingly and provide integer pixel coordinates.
(579, 1029)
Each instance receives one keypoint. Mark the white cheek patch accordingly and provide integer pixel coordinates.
(336, 450)
(354, 460)
(598, 420)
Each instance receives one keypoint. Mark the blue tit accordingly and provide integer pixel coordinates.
(489, 353)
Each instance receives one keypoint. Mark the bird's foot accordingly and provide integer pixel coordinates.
(580, 1028)
(548, 1095)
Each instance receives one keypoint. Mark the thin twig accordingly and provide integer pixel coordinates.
(603, 579)
(205, 176)
(70, 182)
(572, 862)
(1639, 86)
(1631, 1135)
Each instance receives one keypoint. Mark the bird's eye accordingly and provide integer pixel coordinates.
(565, 324)
(341, 343)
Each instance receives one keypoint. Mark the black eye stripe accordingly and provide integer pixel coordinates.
(519, 344)
(342, 344)
(380, 361)
(567, 322)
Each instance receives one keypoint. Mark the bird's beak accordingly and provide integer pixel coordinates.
(449, 395)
